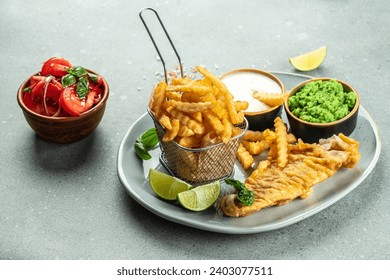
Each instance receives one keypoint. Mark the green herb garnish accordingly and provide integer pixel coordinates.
(82, 87)
(27, 89)
(68, 80)
(77, 71)
(147, 141)
(245, 196)
(93, 78)
(79, 76)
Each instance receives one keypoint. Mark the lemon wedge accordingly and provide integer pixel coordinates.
(309, 61)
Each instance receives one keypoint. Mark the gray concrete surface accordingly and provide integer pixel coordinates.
(66, 201)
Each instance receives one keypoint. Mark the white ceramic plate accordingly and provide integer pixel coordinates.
(133, 173)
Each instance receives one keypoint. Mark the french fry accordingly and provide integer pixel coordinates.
(171, 134)
(271, 99)
(240, 105)
(269, 136)
(158, 99)
(255, 148)
(291, 138)
(165, 122)
(189, 97)
(191, 107)
(254, 136)
(209, 139)
(184, 131)
(173, 95)
(236, 131)
(195, 126)
(220, 110)
(197, 116)
(201, 90)
(214, 122)
(180, 81)
(245, 158)
(228, 130)
(281, 142)
(190, 141)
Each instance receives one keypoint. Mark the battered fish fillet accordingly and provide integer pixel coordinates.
(308, 164)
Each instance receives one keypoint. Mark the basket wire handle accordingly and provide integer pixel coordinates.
(155, 45)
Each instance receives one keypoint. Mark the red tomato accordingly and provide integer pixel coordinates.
(34, 99)
(72, 104)
(33, 104)
(53, 92)
(97, 93)
(37, 91)
(56, 66)
(35, 79)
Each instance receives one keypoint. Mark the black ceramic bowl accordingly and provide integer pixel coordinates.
(241, 83)
(312, 132)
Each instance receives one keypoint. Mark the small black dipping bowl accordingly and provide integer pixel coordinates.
(312, 132)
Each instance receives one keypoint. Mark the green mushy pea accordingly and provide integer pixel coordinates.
(321, 102)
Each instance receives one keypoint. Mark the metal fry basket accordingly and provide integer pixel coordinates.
(200, 165)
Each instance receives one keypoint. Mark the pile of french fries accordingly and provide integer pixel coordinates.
(197, 113)
(255, 142)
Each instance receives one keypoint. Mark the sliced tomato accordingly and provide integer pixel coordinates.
(37, 91)
(53, 92)
(97, 93)
(35, 79)
(33, 104)
(72, 104)
(56, 66)
(51, 107)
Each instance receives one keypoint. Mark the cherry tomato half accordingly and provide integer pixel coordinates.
(56, 66)
(72, 104)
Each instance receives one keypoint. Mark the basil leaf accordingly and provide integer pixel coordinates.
(77, 71)
(82, 87)
(93, 78)
(140, 150)
(145, 142)
(149, 138)
(27, 89)
(68, 80)
(245, 196)
(236, 184)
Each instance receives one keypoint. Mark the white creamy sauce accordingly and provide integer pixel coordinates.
(243, 84)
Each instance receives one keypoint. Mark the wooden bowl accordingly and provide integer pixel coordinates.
(312, 132)
(64, 129)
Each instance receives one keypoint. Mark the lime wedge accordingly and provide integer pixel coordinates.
(166, 186)
(200, 198)
(309, 61)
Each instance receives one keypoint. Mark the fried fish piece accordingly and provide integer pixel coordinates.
(308, 164)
